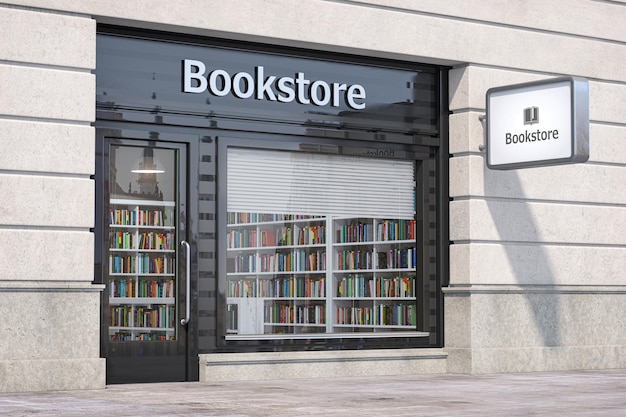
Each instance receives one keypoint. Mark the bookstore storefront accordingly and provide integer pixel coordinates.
(198, 191)
(253, 200)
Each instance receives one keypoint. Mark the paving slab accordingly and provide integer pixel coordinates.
(572, 393)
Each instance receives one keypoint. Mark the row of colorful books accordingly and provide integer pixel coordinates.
(295, 314)
(288, 287)
(386, 230)
(247, 238)
(294, 261)
(136, 240)
(245, 217)
(362, 286)
(125, 336)
(141, 288)
(298, 260)
(402, 258)
(379, 315)
(141, 264)
(137, 217)
(155, 317)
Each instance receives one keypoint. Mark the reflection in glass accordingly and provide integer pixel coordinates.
(137, 172)
(141, 283)
(320, 243)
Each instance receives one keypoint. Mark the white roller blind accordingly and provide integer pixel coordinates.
(262, 181)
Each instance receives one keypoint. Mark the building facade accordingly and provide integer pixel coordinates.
(497, 271)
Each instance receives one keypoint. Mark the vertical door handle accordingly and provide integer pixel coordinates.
(187, 318)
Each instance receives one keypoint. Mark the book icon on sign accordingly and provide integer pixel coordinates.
(531, 115)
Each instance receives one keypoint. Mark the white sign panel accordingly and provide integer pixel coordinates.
(537, 124)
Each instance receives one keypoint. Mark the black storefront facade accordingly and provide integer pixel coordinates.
(260, 199)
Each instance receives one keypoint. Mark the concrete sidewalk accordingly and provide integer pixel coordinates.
(574, 393)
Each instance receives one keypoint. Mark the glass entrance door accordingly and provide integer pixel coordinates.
(145, 312)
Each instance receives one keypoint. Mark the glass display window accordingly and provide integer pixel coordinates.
(320, 244)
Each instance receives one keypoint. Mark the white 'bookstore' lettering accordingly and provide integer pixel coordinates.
(284, 89)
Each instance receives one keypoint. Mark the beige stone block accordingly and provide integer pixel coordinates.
(606, 102)
(466, 133)
(407, 35)
(486, 361)
(60, 255)
(458, 320)
(594, 317)
(469, 85)
(462, 176)
(533, 264)
(47, 147)
(607, 144)
(52, 374)
(547, 316)
(30, 36)
(320, 364)
(580, 17)
(601, 20)
(31, 200)
(459, 88)
(519, 221)
(535, 328)
(459, 360)
(47, 93)
(460, 218)
(50, 323)
(585, 183)
(503, 320)
(461, 263)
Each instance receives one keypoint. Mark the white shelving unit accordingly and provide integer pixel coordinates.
(320, 275)
(141, 271)
(277, 275)
(374, 275)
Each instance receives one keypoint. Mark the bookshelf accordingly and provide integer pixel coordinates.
(297, 274)
(374, 275)
(141, 270)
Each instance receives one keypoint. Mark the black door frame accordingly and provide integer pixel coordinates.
(131, 362)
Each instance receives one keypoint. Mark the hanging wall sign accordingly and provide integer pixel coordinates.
(538, 124)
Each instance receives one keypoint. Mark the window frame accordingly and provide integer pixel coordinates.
(427, 331)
